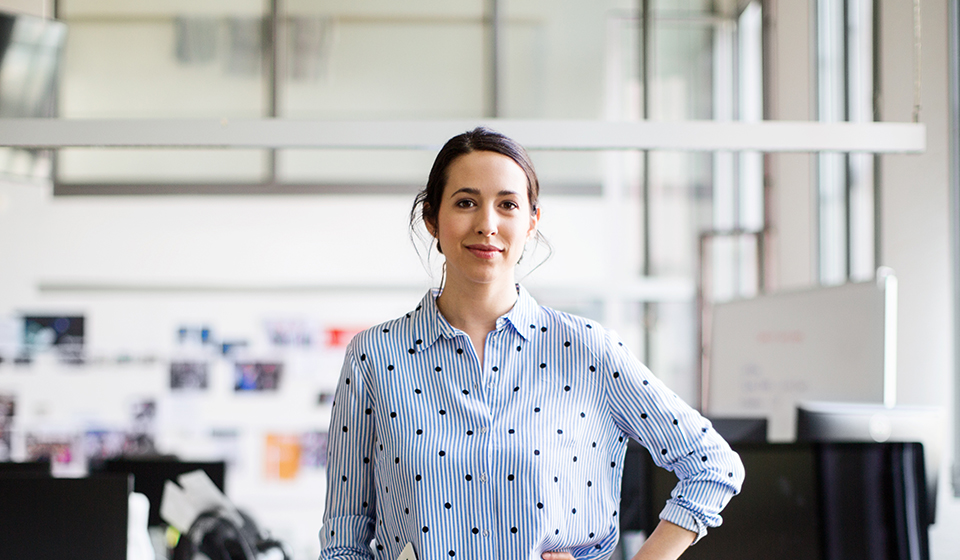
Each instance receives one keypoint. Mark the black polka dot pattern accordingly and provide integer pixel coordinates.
(547, 412)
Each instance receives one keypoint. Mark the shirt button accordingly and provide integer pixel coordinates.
(483, 477)
(486, 532)
(483, 429)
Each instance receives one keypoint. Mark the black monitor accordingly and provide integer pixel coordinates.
(150, 475)
(39, 468)
(816, 501)
(46, 518)
(838, 421)
(637, 468)
(736, 429)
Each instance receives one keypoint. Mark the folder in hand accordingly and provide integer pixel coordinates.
(407, 553)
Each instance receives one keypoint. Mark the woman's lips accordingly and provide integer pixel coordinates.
(484, 251)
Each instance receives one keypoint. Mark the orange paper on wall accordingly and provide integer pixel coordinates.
(282, 456)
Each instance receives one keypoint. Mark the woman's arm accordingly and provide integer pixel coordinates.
(678, 438)
(667, 542)
(348, 518)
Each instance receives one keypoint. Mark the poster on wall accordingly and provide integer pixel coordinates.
(257, 376)
(281, 456)
(7, 410)
(189, 376)
(313, 450)
(63, 450)
(99, 445)
(60, 335)
(291, 333)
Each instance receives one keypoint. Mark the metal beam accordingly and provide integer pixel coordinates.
(767, 136)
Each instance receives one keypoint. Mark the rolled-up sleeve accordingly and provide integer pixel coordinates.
(678, 438)
(348, 517)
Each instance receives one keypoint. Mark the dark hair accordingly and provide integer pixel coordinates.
(481, 139)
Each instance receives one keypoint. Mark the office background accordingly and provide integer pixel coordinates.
(149, 272)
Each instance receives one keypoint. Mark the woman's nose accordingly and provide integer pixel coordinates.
(487, 221)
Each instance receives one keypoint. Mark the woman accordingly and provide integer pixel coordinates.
(483, 426)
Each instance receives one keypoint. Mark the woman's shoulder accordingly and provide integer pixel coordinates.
(402, 328)
(388, 330)
(581, 328)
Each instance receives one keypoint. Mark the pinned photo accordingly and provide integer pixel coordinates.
(313, 450)
(291, 332)
(7, 410)
(60, 335)
(189, 376)
(8, 407)
(63, 451)
(103, 444)
(257, 376)
(281, 456)
(144, 415)
(6, 444)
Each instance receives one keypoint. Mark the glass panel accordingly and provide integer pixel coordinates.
(90, 165)
(163, 59)
(373, 60)
(555, 57)
(568, 169)
(673, 347)
(831, 168)
(860, 107)
(356, 167)
(155, 59)
(31, 56)
(681, 188)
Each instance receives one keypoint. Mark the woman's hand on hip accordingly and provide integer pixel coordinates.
(557, 556)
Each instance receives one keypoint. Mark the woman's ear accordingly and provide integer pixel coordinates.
(534, 222)
(429, 222)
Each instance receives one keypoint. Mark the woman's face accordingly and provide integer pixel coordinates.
(484, 219)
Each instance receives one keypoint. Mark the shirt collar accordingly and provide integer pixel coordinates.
(524, 314)
(428, 324)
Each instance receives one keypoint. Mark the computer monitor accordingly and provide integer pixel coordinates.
(816, 501)
(872, 501)
(838, 421)
(775, 515)
(39, 468)
(46, 518)
(740, 429)
(150, 475)
(637, 468)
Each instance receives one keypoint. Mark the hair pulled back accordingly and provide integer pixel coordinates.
(427, 203)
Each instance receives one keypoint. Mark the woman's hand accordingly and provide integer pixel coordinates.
(557, 556)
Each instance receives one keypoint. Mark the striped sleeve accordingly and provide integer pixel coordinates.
(678, 438)
(348, 518)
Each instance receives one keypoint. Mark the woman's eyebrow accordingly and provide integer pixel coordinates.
(476, 192)
(467, 190)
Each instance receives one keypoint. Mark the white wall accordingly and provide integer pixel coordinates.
(914, 196)
(915, 229)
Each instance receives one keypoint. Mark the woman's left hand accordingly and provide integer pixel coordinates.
(557, 556)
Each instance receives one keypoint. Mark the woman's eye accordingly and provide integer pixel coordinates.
(509, 204)
(464, 203)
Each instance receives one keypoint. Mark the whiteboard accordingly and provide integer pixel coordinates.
(835, 343)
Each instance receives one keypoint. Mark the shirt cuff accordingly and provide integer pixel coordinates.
(683, 518)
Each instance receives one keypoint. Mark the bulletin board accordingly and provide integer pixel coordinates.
(771, 352)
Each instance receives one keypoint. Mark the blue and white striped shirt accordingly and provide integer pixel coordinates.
(510, 459)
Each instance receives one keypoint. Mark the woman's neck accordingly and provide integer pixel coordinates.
(474, 308)
(475, 305)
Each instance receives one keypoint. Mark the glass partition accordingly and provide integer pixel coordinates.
(164, 59)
